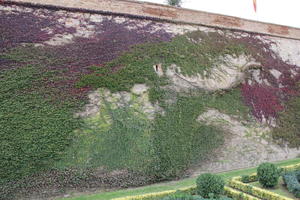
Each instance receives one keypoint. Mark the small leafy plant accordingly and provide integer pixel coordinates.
(174, 2)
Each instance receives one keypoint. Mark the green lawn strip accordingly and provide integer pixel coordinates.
(279, 189)
(174, 185)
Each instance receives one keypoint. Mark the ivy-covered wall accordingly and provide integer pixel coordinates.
(94, 101)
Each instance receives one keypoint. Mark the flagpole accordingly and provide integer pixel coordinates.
(255, 9)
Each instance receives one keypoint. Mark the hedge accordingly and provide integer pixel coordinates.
(150, 195)
(236, 183)
(290, 168)
(189, 190)
(230, 192)
(255, 191)
(249, 178)
(292, 182)
(183, 196)
(240, 184)
(253, 177)
(238, 195)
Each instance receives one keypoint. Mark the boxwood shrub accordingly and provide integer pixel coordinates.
(268, 175)
(210, 185)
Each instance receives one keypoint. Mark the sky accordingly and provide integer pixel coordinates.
(284, 12)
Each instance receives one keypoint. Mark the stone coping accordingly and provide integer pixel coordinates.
(166, 13)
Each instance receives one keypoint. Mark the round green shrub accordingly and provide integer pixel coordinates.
(209, 185)
(268, 175)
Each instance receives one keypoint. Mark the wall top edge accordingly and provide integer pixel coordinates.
(165, 13)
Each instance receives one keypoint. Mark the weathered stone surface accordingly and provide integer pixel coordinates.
(246, 145)
(224, 75)
(139, 89)
(85, 24)
(275, 73)
(173, 14)
(287, 49)
(137, 99)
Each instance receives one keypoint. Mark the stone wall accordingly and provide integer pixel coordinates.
(166, 13)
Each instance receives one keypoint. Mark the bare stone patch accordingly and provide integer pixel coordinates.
(287, 49)
(139, 89)
(224, 75)
(246, 145)
(138, 99)
(275, 73)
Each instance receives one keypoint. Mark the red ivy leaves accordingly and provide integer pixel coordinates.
(263, 100)
(267, 101)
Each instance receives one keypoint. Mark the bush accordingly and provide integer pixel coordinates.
(210, 185)
(174, 2)
(291, 179)
(268, 175)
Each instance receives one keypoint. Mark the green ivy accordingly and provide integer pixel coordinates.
(39, 131)
(179, 139)
(288, 126)
(34, 132)
(194, 52)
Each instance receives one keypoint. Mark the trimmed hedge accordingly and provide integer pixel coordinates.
(291, 179)
(255, 191)
(186, 195)
(182, 197)
(240, 184)
(290, 168)
(238, 195)
(145, 196)
(188, 190)
(191, 197)
(249, 178)
(235, 192)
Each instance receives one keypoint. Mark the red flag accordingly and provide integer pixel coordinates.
(254, 4)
